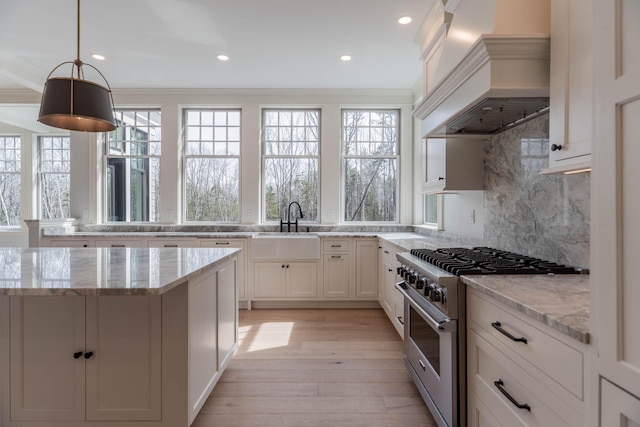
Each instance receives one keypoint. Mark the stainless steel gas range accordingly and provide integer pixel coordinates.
(435, 311)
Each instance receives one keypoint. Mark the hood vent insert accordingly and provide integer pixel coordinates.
(495, 115)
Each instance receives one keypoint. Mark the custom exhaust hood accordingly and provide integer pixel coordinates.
(492, 72)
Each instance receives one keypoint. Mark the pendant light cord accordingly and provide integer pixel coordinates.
(78, 56)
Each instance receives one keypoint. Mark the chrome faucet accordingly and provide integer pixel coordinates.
(289, 223)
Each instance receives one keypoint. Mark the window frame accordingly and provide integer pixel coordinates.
(40, 172)
(396, 157)
(17, 138)
(264, 156)
(127, 159)
(186, 157)
(438, 225)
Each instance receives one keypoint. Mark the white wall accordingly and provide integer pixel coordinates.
(458, 209)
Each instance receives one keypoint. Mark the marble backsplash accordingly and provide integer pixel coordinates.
(545, 216)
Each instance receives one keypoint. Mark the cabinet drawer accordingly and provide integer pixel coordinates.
(557, 360)
(487, 365)
(336, 245)
(389, 254)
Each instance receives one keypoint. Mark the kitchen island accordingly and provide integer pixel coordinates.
(113, 336)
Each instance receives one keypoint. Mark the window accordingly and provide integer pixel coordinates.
(433, 211)
(9, 182)
(212, 165)
(291, 142)
(132, 175)
(55, 175)
(370, 154)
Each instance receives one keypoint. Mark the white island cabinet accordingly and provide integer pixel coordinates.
(113, 336)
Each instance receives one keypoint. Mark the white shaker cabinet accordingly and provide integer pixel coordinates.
(337, 268)
(619, 408)
(519, 371)
(571, 85)
(75, 358)
(615, 202)
(241, 259)
(286, 279)
(453, 164)
(367, 269)
(390, 298)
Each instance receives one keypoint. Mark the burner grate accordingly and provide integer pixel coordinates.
(484, 260)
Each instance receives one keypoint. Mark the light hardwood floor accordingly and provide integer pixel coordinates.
(315, 368)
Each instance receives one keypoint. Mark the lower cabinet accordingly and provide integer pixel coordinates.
(93, 358)
(336, 275)
(536, 381)
(367, 269)
(290, 279)
(617, 407)
(242, 259)
(389, 297)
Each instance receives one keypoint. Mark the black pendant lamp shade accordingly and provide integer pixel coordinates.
(75, 103)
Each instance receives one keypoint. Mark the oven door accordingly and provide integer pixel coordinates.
(431, 355)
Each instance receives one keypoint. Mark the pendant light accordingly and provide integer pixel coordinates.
(75, 103)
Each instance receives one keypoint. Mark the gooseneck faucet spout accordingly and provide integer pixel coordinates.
(282, 223)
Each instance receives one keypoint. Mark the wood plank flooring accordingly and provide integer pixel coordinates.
(315, 368)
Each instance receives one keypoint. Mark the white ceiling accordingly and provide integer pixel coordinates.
(174, 43)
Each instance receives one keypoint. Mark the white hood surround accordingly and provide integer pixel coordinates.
(488, 70)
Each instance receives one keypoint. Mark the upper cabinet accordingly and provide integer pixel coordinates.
(451, 164)
(571, 86)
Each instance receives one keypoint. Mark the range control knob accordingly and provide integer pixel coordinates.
(399, 270)
(437, 295)
(429, 289)
(413, 277)
(422, 282)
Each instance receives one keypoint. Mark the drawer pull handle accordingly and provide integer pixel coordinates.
(500, 386)
(386, 252)
(336, 246)
(336, 256)
(222, 243)
(171, 245)
(498, 326)
(400, 320)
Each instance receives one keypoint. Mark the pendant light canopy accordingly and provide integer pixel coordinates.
(75, 103)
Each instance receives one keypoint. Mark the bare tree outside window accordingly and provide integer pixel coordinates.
(212, 165)
(370, 153)
(10, 157)
(291, 142)
(132, 167)
(55, 176)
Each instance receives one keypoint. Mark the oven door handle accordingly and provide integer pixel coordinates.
(446, 325)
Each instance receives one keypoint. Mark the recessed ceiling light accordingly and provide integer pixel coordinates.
(98, 57)
(223, 57)
(404, 20)
(345, 57)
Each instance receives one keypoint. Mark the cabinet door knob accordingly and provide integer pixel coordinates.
(441, 178)
(556, 147)
(77, 355)
(88, 354)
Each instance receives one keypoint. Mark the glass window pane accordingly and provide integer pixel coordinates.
(287, 180)
(212, 190)
(10, 182)
(206, 118)
(193, 118)
(233, 118)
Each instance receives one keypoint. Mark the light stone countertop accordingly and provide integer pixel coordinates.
(103, 271)
(560, 301)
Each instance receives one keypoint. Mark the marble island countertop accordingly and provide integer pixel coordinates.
(103, 271)
(559, 301)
